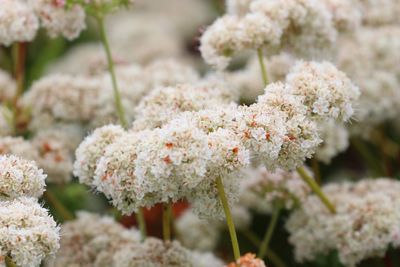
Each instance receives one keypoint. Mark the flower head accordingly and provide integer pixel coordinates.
(20, 177)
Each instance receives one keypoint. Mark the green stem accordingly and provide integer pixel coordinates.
(117, 96)
(316, 189)
(228, 216)
(166, 222)
(268, 234)
(141, 223)
(262, 66)
(316, 170)
(51, 199)
(10, 262)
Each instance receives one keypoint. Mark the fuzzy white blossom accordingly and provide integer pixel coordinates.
(55, 155)
(115, 174)
(365, 223)
(57, 19)
(173, 161)
(307, 28)
(28, 234)
(91, 240)
(156, 253)
(62, 98)
(20, 177)
(298, 137)
(164, 103)
(18, 22)
(327, 92)
(92, 149)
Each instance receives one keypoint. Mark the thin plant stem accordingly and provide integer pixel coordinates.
(141, 223)
(118, 102)
(316, 189)
(51, 199)
(166, 222)
(229, 220)
(316, 170)
(10, 262)
(268, 234)
(19, 73)
(117, 96)
(262, 66)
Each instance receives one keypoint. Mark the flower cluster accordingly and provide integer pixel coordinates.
(52, 149)
(184, 157)
(21, 19)
(19, 177)
(154, 252)
(88, 99)
(301, 27)
(365, 225)
(27, 233)
(92, 240)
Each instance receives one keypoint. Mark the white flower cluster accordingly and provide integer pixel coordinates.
(92, 240)
(202, 234)
(301, 27)
(364, 226)
(19, 177)
(88, 99)
(164, 103)
(156, 253)
(27, 233)
(327, 92)
(56, 148)
(377, 50)
(52, 149)
(264, 191)
(184, 157)
(21, 19)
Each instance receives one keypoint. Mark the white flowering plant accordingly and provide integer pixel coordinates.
(199, 133)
